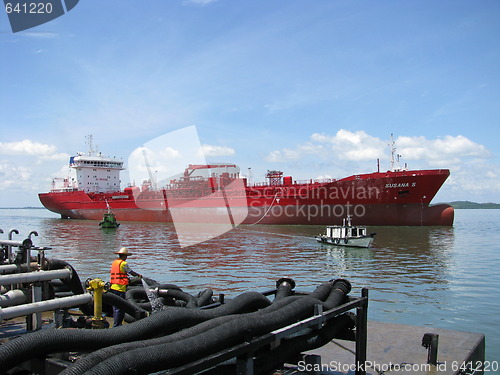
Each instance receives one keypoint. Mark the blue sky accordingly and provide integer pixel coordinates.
(313, 88)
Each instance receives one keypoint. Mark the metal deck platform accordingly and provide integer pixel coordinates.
(397, 349)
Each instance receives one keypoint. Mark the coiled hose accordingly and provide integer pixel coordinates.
(235, 331)
(167, 321)
(231, 328)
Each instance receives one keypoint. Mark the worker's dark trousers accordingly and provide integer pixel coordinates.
(118, 314)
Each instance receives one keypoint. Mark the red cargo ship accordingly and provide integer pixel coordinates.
(215, 193)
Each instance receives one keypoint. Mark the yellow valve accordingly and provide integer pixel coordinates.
(97, 287)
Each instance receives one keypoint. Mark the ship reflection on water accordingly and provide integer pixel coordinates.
(403, 259)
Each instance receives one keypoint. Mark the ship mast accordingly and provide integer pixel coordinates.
(90, 142)
(394, 156)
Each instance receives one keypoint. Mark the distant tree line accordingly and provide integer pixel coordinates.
(473, 205)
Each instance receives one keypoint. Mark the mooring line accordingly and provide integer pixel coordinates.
(275, 234)
(263, 216)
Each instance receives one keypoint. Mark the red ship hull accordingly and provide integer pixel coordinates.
(389, 198)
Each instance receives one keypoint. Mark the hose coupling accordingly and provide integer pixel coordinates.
(285, 281)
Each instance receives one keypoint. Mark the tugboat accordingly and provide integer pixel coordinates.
(346, 235)
(109, 219)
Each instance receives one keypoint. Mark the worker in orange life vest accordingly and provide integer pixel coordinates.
(119, 281)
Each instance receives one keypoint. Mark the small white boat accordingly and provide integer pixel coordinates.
(346, 235)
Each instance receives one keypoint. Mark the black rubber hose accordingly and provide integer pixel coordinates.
(322, 291)
(147, 305)
(137, 282)
(93, 359)
(178, 295)
(59, 286)
(74, 283)
(138, 293)
(167, 321)
(340, 289)
(204, 298)
(284, 288)
(168, 286)
(134, 294)
(291, 348)
(161, 357)
(131, 309)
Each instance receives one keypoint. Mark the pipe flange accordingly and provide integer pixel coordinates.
(284, 280)
(342, 285)
(87, 283)
(26, 244)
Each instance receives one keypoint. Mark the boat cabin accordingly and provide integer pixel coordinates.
(338, 231)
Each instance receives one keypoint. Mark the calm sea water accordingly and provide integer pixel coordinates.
(434, 276)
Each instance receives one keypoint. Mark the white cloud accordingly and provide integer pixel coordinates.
(360, 146)
(26, 147)
(448, 149)
(472, 173)
(169, 153)
(144, 162)
(210, 150)
(343, 145)
(290, 154)
(27, 166)
(13, 176)
(55, 157)
(352, 146)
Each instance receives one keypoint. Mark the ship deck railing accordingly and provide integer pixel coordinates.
(296, 182)
(63, 190)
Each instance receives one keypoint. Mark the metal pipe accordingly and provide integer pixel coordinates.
(26, 243)
(31, 277)
(9, 247)
(53, 304)
(13, 268)
(12, 231)
(13, 298)
(22, 245)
